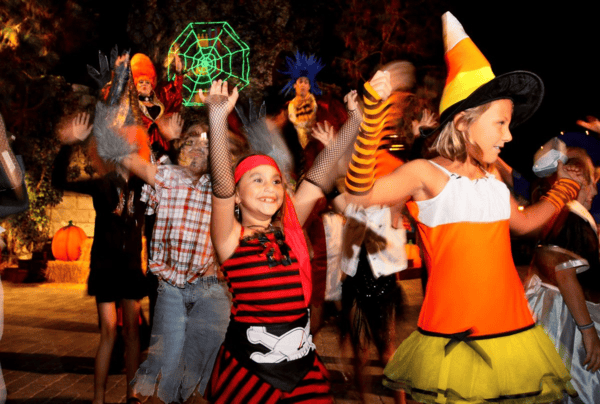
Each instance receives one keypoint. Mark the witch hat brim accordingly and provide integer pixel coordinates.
(524, 88)
(470, 81)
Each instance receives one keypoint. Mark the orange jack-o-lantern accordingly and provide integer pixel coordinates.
(413, 253)
(66, 244)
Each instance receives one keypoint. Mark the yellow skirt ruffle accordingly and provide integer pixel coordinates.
(521, 368)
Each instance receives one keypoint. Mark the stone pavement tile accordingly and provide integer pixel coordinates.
(116, 389)
(51, 335)
(16, 387)
(60, 387)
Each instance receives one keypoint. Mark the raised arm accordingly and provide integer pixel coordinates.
(74, 131)
(531, 219)
(360, 180)
(140, 167)
(225, 230)
(321, 177)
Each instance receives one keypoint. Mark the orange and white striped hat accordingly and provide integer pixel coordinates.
(470, 81)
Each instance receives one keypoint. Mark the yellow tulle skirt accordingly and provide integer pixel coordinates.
(514, 369)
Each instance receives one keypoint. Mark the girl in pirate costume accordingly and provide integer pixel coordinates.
(476, 341)
(268, 354)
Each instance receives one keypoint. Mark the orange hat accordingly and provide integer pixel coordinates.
(142, 67)
(471, 82)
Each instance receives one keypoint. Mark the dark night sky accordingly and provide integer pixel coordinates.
(557, 43)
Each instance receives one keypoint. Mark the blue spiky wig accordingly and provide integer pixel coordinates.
(302, 66)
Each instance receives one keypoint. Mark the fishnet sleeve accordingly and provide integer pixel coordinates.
(221, 172)
(322, 172)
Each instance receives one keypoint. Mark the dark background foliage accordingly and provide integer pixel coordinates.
(46, 44)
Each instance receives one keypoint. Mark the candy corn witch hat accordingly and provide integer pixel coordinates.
(471, 82)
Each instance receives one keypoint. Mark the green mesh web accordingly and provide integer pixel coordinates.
(209, 51)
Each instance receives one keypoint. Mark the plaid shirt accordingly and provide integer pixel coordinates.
(181, 250)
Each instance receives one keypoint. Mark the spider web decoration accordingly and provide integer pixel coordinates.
(209, 51)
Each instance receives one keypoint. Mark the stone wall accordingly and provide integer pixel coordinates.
(75, 207)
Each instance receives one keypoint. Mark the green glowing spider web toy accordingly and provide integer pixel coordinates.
(209, 51)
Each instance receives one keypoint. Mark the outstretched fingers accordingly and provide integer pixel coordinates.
(591, 123)
(324, 133)
(81, 126)
(219, 89)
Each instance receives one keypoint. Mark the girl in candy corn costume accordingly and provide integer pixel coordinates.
(476, 340)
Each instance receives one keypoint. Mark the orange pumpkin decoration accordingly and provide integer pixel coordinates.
(413, 253)
(66, 244)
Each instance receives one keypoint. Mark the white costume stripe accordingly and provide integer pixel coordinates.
(481, 201)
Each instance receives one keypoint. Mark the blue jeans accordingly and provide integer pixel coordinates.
(189, 327)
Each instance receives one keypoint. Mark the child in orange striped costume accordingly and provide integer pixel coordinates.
(476, 341)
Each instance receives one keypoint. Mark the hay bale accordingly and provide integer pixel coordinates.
(71, 271)
(78, 271)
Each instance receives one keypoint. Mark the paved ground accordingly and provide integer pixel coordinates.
(51, 334)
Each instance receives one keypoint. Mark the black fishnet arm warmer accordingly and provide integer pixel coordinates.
(221, 172)
(322, 172)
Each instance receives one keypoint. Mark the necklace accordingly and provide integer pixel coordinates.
(260, 227)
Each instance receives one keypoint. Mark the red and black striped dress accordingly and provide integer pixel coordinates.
(264, 280)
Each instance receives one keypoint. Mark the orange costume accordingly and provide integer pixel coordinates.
(477, 341)
(479, 291)
(165, 99)
(476, 338)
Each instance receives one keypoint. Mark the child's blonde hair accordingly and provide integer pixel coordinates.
(452, 143)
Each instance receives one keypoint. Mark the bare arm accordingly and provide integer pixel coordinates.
(531, 219)
(140, 168)
(573, 296)
(416, 179)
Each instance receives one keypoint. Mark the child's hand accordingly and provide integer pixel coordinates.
(218, 90)
(123, 59)
(351, 100)
(428, 121)
(570, 171)
(178, 65)
(324, 133)
(77, 131)
(170, 127)
(591, 343)
(381, 84)
(591, 123)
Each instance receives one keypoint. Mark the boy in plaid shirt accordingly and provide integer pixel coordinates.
(192, 309)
